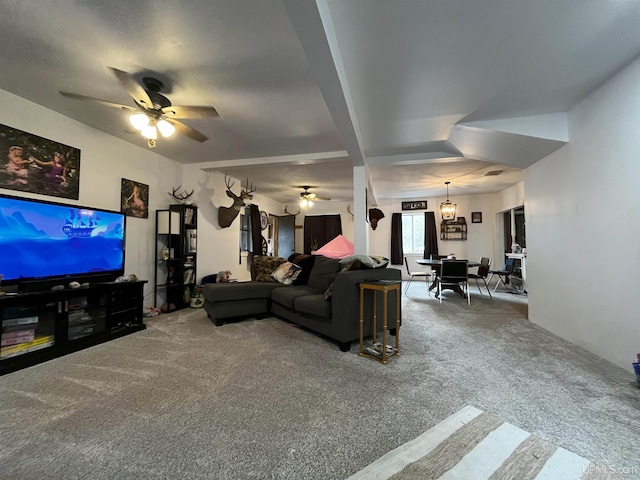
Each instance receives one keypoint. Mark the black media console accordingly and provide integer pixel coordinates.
(39, 326)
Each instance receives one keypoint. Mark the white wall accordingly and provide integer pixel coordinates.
(104, 161)
(583, 254)
(219, 248)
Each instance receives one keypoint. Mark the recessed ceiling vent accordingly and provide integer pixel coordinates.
(493, 173)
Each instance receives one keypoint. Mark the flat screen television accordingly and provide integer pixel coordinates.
(41, 241)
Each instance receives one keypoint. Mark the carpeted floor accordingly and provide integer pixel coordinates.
(263, 399)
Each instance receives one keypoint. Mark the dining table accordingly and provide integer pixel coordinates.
(436, 264)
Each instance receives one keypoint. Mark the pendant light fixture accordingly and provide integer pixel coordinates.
(448, 209)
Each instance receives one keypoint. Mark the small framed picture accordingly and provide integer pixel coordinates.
(476, 217)
(135, 198)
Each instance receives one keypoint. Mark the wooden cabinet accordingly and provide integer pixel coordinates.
(176, 250)
(39, 326)
(453, 229)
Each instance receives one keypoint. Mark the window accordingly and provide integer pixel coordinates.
(413, 233)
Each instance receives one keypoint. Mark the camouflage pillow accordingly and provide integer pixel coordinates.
(264, 266)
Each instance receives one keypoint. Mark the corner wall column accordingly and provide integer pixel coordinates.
(360, 225)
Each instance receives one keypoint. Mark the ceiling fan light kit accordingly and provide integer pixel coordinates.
(305, 203)
(307, 197)
(448, 209)
(155, 107)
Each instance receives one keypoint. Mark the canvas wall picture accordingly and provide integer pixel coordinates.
(38, 165)
(135, 199)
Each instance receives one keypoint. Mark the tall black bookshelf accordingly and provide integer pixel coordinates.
(176, 250)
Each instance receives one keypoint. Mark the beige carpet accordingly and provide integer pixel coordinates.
(473, 445)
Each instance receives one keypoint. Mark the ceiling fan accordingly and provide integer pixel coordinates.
(307, 198)
(153, 111)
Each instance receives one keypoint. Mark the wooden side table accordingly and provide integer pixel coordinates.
(385, 351)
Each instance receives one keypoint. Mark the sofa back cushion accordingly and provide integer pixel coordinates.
(323, 273)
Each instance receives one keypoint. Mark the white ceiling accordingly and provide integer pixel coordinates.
(421, 92)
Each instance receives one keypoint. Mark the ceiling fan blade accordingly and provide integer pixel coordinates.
(133, 88)
(178, 111)
(187, 131)
(322, 198)
(98, 100)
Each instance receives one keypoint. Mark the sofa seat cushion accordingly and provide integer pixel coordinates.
(225, 292)
(286, 296)
(313, 305)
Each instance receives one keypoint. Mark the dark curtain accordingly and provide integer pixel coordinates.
(255, 236)
(430, 235)
(396, 239)
(320, 230)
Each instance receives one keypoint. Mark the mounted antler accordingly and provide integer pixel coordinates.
(226, 215)
(182, 196)
(289, 213)
(247, 193)
(349, 210)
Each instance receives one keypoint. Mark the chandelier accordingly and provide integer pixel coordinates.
(448, 209)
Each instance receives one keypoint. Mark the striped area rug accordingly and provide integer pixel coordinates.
(473, 445)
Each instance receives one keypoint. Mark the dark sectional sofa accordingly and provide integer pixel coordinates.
(325, 298)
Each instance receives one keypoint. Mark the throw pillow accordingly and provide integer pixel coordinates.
(286, 273)
(263, 266)
(367, 261)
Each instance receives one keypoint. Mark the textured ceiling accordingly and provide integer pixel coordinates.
(419, 91)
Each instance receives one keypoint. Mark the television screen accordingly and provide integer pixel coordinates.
(41, 240)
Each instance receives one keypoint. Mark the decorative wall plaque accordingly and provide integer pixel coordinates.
(419, 205)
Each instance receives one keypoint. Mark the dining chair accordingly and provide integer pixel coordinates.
(415, 274)
(482, 273)
(504, 274)
(454, 274)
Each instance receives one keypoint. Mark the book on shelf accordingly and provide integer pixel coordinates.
(14, 340)
(21, 348)
(189, 275)
(192, 236)
(81, 331)
(85, 318)
(19, 332)
(376, 350)
(19, 311)
(189, 214)
(19, 328)
(8, 322)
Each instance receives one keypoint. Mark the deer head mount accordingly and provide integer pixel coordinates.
(289, 213)
(181, 197)
(226, 215)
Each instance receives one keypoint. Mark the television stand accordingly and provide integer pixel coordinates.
(38, 326)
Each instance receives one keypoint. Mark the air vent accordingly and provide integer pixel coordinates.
(493, 173)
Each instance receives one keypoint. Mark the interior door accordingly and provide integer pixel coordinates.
(286, 236)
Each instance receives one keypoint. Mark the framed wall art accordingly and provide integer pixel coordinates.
(476, 217)
(135, 199)
(38, 165)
